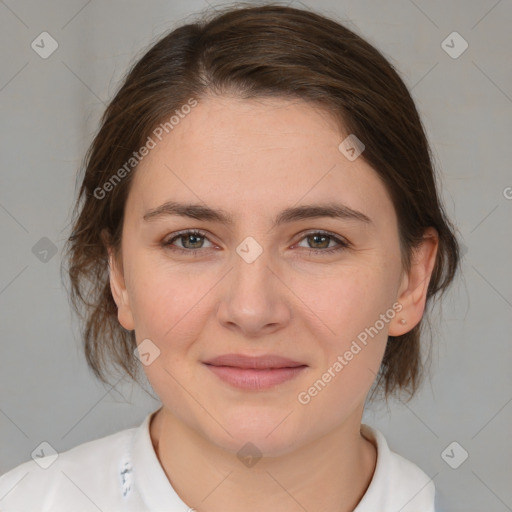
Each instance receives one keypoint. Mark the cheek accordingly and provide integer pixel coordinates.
(353, 307)
(165, 307)
(355, 310)
(163, 299)
(346, 303)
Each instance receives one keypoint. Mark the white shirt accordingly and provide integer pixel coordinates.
(121, 472)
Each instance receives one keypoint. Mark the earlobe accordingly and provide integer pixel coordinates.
(119, 292)
(414, 287)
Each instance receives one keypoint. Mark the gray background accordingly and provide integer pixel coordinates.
(50, 109)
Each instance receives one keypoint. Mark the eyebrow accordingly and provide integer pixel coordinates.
(295, 213)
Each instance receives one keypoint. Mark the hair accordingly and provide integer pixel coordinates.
(256, 52)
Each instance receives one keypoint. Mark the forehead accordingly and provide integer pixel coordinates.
(245, 155)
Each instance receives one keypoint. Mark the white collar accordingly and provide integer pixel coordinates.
(150, 478)
(397, 483)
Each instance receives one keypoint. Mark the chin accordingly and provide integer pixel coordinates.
(269, 434)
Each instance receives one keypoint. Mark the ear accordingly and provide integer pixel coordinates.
(119, 291)
(412, 294)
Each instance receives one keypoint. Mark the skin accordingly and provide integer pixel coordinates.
(254, 158)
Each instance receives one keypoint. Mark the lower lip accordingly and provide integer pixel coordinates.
(249, 378)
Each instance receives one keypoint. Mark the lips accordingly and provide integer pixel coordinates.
(267, 361)
(251, 373)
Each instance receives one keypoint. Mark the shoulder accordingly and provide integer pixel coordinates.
(79, 476)
(397, 483)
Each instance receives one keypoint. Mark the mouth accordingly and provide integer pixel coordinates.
(254, 373)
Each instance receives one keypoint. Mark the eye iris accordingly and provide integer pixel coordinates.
(325, 238)
(192, 237)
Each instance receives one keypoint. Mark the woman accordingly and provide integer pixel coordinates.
(259, 224)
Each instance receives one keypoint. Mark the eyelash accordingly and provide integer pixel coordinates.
(342, 244)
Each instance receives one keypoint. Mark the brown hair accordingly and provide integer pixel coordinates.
(268, 50)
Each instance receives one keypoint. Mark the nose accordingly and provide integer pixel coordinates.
(254, 299)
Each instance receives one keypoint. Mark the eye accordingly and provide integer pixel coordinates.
(322, 239)
(191, 240)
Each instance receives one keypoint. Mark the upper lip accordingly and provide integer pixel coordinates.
(257, 362)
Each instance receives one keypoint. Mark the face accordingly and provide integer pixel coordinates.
(305, 288)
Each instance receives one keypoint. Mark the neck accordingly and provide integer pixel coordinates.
(330, 474)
